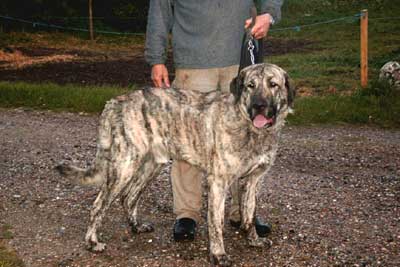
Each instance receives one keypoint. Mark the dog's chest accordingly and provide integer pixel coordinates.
(241, 153)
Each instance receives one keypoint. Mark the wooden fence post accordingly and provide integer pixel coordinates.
(91, 20)
(364, 48)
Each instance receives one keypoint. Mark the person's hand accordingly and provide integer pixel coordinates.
(261, 28)
(159, 75)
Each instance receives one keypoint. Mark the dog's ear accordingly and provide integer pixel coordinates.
(236, 86)
(290, 90)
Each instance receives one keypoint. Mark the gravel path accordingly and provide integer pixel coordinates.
(333, 198)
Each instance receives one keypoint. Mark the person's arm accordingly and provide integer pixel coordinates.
(272, 7)
(159, 24)
(270, 14)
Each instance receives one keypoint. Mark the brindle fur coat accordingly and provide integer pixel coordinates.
(228, 136)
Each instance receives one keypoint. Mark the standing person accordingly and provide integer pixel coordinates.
(206, 42)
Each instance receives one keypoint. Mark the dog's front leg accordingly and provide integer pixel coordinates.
(216, 202)
(248, 202)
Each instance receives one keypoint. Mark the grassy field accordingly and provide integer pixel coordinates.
(327, 69)
(335, 61)
(376, 105)
(56, 97)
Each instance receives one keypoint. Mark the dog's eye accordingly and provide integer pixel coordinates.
(272, 84)
(251, 85)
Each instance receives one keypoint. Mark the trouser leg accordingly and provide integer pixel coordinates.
(187, 190)
(186, 179)
(226, 75)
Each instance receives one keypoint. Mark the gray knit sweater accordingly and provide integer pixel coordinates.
(205, 33)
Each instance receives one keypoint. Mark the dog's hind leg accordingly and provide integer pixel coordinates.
(96, 216)
(110, 190)
(119, 176)
(119, 169)
(148, 170)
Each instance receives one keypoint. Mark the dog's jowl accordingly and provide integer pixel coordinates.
(228, 136)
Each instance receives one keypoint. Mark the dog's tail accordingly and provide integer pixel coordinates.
(81, 176)
(96, 174)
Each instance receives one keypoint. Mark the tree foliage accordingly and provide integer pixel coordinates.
(119, 14)
(130, 15)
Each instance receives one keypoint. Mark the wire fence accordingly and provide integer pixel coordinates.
(44, 25)
(299, 27)
(104, 25)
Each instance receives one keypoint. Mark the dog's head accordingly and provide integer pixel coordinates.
(263, 92)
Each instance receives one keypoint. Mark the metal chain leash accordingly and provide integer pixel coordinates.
(250, 47)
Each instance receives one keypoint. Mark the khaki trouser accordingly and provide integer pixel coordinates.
(186, 179)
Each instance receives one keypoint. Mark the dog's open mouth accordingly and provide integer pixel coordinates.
(261, 121)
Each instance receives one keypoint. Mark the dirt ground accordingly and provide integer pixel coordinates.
(333, 198)
(32, 63)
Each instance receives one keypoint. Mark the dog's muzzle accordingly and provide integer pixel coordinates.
(263, 114)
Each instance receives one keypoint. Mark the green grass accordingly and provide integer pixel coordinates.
(335, 60)
(377, 105)
(56, 97)
(5, 232)
(8, 258)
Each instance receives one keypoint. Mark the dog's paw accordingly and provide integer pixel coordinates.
(260, 242)
(96, 247)
(144, 227)
(92, 242)
(220, 260)
(63, 168)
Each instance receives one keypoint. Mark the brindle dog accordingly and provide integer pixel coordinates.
(228, 136)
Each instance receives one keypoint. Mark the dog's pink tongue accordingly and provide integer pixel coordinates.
(260, 121)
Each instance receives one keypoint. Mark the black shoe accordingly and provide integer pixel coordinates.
(184, 229)
(262, 229)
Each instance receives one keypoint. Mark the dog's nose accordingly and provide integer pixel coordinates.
(259, 105)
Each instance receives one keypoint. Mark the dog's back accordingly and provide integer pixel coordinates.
(171, 123)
